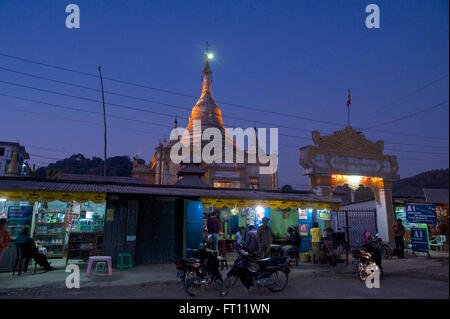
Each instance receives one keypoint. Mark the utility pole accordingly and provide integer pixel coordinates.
(104, 121)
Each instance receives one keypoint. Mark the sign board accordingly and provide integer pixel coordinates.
(419, 239)
(303, 229)
(421, 213)
(18, 218)
(302, 214)
(110, 215)
(324, 214)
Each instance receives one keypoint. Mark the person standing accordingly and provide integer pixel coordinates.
(5, 238)
(214, 226)
(251, 242)
(316, 235)
(264, 236)
(399, 232)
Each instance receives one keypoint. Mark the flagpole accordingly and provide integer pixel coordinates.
(348, 116)
(349, 103)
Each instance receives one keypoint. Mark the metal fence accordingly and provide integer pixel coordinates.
(355, 222)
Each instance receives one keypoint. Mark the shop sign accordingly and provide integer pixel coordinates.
(110, 215)
(324, 214)
(421, 213)
(302, 214)
(419, 239)
(303, 229)
(18, 218)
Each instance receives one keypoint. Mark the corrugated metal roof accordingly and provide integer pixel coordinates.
(160, 190)
(436, 195)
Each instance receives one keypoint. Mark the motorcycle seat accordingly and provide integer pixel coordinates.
(272, 261)
(192, 260)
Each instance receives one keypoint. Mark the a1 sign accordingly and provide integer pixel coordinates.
(419, 239)
(421, 214)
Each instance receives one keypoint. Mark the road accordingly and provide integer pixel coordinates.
(421, 283)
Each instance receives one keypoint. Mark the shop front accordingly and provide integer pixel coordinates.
(438, 225)
(236, 213)
(62, 224)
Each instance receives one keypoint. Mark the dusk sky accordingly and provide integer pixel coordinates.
(289, 57)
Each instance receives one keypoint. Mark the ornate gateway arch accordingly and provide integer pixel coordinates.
(347, 158)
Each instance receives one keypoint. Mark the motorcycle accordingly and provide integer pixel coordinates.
(367, 260)
(201, 270)
(385, 248)
(271, 273)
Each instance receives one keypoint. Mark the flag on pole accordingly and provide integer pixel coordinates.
(349, 101)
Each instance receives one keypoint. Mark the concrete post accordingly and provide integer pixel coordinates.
(385, 214)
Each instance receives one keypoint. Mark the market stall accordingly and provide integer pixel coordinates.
(53, 217)
(235, 213)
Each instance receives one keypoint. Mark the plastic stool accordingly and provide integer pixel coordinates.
(93, 259)
(124, 261)
(101, 267)
(222, 262)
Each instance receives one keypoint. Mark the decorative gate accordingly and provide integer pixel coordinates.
(355, 222)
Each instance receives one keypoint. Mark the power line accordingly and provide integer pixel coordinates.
(76, 120)
(142, 99)
(222, 102)
(409, 115)
(152, 133)
(146, 100)
(168, 91)
(406, 96)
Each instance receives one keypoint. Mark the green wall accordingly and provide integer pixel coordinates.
(279, 225)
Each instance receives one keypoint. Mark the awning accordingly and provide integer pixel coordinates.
(240, 203)
(49, 196)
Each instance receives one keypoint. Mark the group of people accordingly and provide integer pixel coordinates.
(257, 241)
(26, 244)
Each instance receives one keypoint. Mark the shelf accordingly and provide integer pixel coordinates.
(51, 223)
(50, 234)
(46, 245)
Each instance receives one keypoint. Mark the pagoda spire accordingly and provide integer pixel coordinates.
(207, 71)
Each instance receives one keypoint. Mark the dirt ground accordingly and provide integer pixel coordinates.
(424, 283)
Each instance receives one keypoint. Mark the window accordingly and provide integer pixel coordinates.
(222, 184)
(2, 151)
(253, 182)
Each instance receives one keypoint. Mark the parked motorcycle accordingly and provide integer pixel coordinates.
(385, 248)
(366, 260)
(201, 270)
(271, 273)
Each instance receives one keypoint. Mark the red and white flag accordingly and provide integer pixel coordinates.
(349, 101)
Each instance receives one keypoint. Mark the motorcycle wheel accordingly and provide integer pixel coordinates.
(388, 252)
(191, 284)
(361, 272)
(282, 281)
(228, 284)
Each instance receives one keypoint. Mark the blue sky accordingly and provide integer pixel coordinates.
(292, 57)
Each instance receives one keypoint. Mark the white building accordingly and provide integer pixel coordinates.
(6, 155)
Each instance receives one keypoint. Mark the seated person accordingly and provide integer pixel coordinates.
(30, 250)
(294, 241)
(240, 236)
